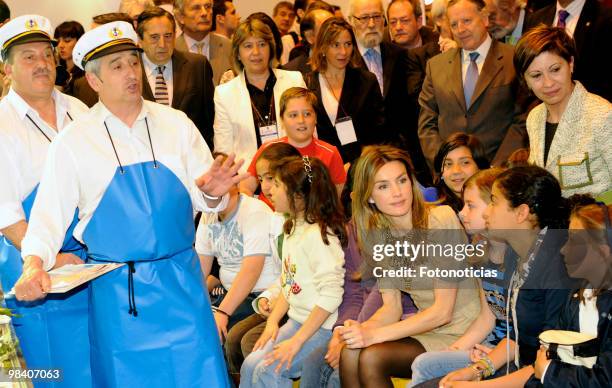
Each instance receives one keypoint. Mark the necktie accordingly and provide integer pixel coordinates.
(563, 15)
(471, 77)
(161, 89)
(200, 48)
(374, 63)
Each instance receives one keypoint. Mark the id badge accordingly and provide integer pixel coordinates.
(268, 133)
(346, 130)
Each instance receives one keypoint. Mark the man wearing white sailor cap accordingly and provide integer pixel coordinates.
(138, 172)
(31, 116)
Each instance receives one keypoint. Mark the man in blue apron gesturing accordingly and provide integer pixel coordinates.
(135, 170)
(52, 332)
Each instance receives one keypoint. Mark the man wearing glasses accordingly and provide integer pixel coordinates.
(387, 61)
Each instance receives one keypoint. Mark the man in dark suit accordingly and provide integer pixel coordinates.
(473, 89)
(387, 61)
(181, 80)
(590, 24)
(405, 25)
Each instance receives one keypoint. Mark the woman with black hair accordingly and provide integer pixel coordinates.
(458, 158)
(527, 212)
(67, 35)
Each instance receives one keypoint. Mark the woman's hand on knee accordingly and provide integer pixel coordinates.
(355, 335)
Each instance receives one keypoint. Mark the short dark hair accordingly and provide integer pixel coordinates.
(416, 7)
(5, 12)
(480, 4)
(112, 17)
(539, 40)
(454, 141)
(282, 4)
(300, 4)
(151, 13)
(219, 8)
(69, 29)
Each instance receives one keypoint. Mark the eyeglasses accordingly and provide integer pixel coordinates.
(307, 168)
(365, 19)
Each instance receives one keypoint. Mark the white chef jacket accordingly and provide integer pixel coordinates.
(23, 148)
(81, 164)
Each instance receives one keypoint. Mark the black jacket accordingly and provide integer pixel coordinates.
(560, 374)
(362, 101)
(193, 91)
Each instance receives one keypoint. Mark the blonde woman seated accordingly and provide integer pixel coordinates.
(247, 112)
(387, 201)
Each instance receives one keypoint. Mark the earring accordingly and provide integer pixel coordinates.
(371, 201)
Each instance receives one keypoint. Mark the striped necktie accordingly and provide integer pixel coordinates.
(161, 89)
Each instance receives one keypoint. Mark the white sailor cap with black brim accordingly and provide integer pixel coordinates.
(25, 29)
(106, 39)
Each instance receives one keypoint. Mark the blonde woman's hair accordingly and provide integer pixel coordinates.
(366, 215)
(252, 28)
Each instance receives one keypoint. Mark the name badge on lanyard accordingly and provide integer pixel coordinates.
(346, 130)
(268, 132)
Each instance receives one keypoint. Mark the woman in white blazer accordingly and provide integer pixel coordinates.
(570, 133)
(247, 107)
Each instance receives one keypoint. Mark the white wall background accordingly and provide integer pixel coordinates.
(82, 10)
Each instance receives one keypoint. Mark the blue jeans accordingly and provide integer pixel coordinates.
(430, 365)
(319, 374)
(255, 374)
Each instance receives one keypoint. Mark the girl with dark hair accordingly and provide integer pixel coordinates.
(588, 310)
(527, 212)
(312, 273)
(458, 158)
(67, 35)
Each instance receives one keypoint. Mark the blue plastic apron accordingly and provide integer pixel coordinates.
(53, 332)
(151, 322)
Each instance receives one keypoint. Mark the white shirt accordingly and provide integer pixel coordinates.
(588, 316)
(151, 72)
(330, 102)
(288, 45)
(193, 45)
(482, 50)
(574, 9)
(23, 148)
(81, 164)
(312, 273)
(248, 231)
